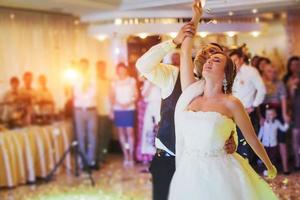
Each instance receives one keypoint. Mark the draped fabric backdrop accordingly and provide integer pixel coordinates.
(44, 43)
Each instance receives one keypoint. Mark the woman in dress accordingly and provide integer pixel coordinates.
(276, 98)
(152, 97)
(124, 96)
(205, 115)
(292, 80)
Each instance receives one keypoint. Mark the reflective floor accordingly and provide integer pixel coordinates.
(114, 182)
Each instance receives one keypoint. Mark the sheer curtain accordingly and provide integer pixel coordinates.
(44, 43)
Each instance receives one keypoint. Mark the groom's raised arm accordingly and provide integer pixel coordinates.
(149, 65)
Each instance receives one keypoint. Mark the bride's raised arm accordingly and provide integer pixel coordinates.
(186, 62)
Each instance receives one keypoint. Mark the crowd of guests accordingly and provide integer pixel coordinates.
(276, 116)
(100, 101)
(133, 106)
(271, 101)
(24, 105)
(280, 111)
(274, 111)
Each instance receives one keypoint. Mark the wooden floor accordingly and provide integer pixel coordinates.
(113, 182)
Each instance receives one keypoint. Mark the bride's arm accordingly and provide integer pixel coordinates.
(186, 62)
(242, 120)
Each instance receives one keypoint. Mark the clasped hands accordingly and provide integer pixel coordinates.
(190, 28)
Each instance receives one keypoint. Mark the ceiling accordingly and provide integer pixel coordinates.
(98, 10)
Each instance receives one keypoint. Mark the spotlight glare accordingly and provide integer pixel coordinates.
(102, 37)
(202, 34)
(255, 33)
(143, 35)
(71, 75)
(231, 33)
(173, 34)
(118, 21)
(117, 51)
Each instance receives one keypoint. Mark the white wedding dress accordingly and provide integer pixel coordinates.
(204, 171)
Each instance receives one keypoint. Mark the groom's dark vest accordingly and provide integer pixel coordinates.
(166, 131)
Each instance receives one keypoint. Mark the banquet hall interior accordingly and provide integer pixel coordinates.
(62, 67)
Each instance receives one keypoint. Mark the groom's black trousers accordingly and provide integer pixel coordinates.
(244, 148)
(162, 169)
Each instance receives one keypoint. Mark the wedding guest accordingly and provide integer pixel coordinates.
(12, 112)
(276, 97)
(261, 64)
(268, 133)
(44, 100)
(85, 104)
(103, 110)
(249, 88)
(152, 97)
(292, 80)
(140, 107)
(124, 96)
(254, 61)
(28, 95)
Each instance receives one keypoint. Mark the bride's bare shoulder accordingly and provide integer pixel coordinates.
(233, 103)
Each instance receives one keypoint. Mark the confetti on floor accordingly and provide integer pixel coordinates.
(114, 182)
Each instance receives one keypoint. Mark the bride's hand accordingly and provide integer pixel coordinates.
(197, 12)
(188, 30)
(272, 172)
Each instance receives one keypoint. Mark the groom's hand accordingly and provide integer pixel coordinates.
(230, 145)
(188, 30)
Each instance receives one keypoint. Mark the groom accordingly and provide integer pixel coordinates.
(166, 77)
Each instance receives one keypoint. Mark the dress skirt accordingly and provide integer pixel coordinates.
(124, 118)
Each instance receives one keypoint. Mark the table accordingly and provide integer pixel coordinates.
(30, 153)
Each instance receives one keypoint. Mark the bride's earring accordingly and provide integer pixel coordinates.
(225, 84)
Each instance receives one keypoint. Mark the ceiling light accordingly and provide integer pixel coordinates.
(173, 34)
(230, 13)
(231, 33)
(102, 37)
(118, 21)
(202, 34)
(136, 21)
(257, 19)
(212, 21)
(254, 11)
(143, 35)
(255, 33)
(12, 16)
(117, 51)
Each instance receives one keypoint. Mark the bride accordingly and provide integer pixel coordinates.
(210, 113)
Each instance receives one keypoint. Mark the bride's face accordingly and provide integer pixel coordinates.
(214, 67)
